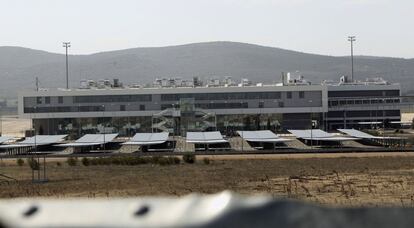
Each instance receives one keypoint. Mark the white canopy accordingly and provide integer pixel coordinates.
(38, 140)
(4, 139)
(319, 135)
(261, 136)
(212, 137)
(148, 139)
(368, 123)
(91, 140)
(363, 135)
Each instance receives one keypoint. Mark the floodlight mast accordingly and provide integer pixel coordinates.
(66, 45)
(352, 39)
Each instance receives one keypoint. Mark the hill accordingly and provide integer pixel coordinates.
(19, 66)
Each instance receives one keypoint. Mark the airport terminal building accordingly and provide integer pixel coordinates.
(179, 106)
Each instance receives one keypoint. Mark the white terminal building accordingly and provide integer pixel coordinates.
(178, 106)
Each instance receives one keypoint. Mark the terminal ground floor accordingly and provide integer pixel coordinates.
(226, 124)
(128, 126)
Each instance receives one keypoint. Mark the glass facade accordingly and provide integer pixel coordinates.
(159, 102)
(222, 96)
(128, 126)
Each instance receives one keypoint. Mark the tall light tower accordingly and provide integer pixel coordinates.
(352, 40)
(67, 45)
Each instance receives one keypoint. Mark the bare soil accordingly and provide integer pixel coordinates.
(377, 179)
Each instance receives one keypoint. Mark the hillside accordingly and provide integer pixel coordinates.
(19, 66)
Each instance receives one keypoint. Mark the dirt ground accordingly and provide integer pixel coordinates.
(375, 180)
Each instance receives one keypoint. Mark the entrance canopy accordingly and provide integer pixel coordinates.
(212, 137)
(91, 140)
(261, 136)
(38, 140)
(4, 139)
(363, 135)
(319, 135)
(148, 139)
(369, 123)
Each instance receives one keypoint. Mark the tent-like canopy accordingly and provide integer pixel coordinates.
(261, 136)
(363, 135)
(319, 135)
(148, 139)
(38, 140)
(4, 139)
(369, 123)
(91, 140)
(212, 137)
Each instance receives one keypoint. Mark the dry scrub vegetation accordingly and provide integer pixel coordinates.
(353, 181)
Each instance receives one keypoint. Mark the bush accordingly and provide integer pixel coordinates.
(171, 160)
(34, 165)
(162, 161)
(176, 160)
(206, 161)
(72, 161)
(20, 162)
(85, 161)
(189, 158)
(155, 159)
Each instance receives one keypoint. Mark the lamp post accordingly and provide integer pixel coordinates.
(35, 143)
(311, 123)
(242, 124)
(66, 45)
(352, 40)
(1, 120)
(103, 123)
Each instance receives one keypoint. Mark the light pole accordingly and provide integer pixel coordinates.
(1, 121)
(103, 124)
(311, 123)
(352, 40)
(66, 45)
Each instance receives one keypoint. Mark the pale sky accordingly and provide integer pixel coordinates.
(382, 27)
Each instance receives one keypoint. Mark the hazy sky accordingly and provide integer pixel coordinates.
(382, 27)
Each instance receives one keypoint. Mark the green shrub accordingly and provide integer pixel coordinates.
(133, 160)
(206, 161)
(20, 162)
(189, 158)
(34, 165)
(85, 161)
(172, 160)
(155, 159)
(72, 161)
(162, 161)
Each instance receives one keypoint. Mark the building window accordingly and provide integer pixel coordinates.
(289, 95)
(122, 108)
(60, 100)
(142, 107)
(261, 104)
(47, 100)
(301, 94)
(39, 100)
(281, 104)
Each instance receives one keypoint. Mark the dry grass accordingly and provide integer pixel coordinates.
(350, 181)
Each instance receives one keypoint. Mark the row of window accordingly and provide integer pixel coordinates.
(369, 113)
(99, 108)
(112, 98)
(142, 107)
(334, 103)
(230, 96)
(39, 100)
(364, 93)
(171, 97)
